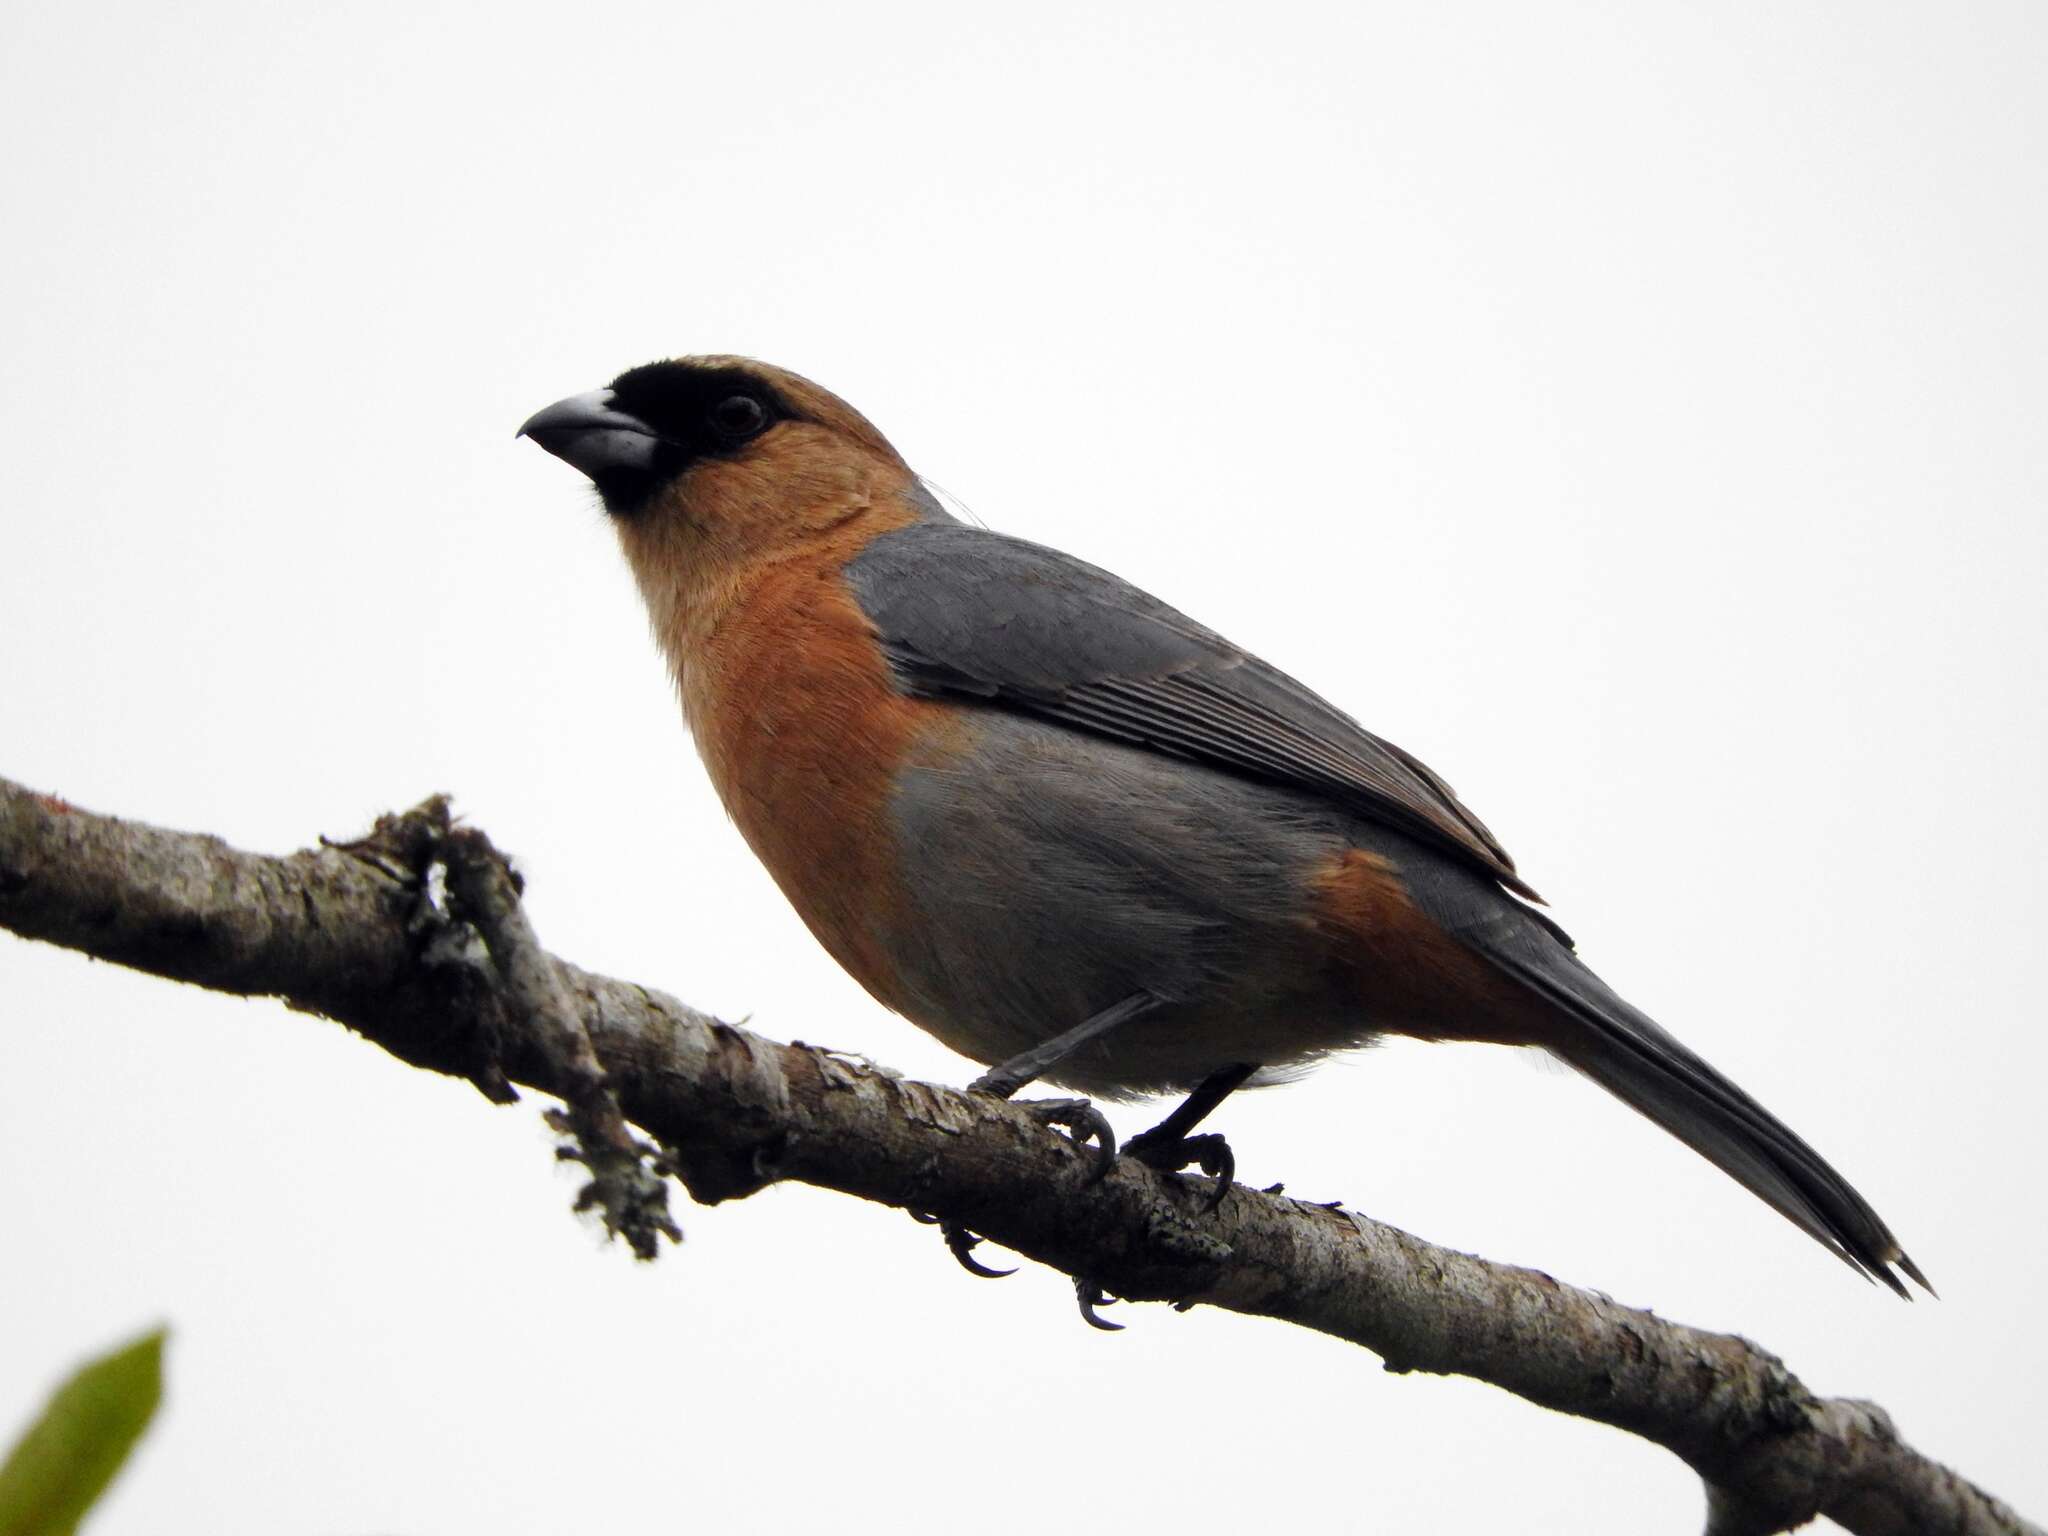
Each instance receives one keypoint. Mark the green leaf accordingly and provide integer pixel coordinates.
(68, 1456)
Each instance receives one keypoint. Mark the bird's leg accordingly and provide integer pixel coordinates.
(1028, 1066)
(1168, 1146)
(1076, 1115)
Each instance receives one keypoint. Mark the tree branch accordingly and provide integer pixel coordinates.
(356, 932)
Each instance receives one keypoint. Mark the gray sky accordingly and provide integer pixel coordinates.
(1635, 410)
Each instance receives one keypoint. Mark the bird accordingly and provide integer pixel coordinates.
(1071, 832)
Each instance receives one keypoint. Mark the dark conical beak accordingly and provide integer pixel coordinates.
(586, 432)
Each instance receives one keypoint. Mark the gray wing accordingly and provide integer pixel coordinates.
(967, 614)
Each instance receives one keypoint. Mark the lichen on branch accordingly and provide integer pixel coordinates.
(339, 931)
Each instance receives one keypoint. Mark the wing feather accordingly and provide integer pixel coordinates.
(965, 613)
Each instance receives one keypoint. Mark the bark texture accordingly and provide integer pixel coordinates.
(413, 938)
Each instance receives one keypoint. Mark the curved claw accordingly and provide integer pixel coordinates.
(1087, 1124)
(1209, 1152)
(961, 1243)
(1090, 1296)
(1220, 1163)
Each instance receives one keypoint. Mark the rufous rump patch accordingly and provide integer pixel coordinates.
(1412, 976)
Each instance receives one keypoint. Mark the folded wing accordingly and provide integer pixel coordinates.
(965, 613)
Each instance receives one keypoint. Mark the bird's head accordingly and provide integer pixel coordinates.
(704, 463)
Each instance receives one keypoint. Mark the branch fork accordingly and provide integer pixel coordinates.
(469, 917)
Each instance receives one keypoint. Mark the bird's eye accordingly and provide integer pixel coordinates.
(738, 416)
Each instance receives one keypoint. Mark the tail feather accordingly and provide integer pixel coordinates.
(1629, 1055)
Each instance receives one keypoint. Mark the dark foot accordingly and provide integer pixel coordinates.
(1168, 1146)
(961, 1243)
(1090, 1296)
(1170, 1154)
(1087, 1124)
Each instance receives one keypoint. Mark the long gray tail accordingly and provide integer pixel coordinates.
(1626, 1053)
